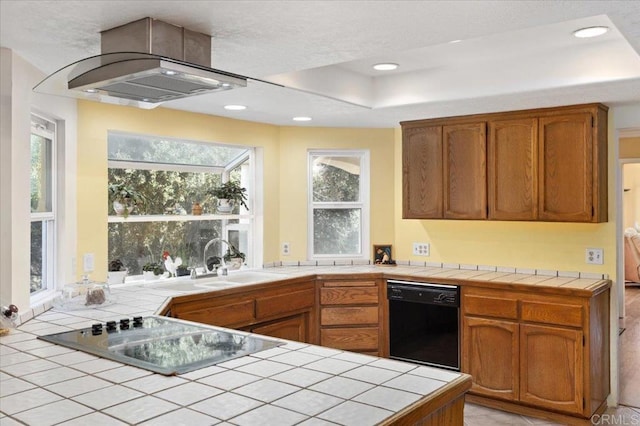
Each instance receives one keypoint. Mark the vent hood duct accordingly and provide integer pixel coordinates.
(165, 62)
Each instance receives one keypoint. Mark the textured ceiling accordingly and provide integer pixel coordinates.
(512, 54)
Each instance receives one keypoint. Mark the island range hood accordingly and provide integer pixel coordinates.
(144, 63)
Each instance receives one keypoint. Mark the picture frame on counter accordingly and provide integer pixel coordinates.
(383, 255)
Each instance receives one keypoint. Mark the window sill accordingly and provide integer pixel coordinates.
(175, 218)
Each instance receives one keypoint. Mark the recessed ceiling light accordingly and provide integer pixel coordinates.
(385, 66)
(301, 118)
(91, 91)
(235, 107)
(590, 32)
(454, 41)
(169, 72)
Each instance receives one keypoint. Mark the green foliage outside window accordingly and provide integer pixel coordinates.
(336, 230)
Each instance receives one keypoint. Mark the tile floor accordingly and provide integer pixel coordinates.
(627, 413)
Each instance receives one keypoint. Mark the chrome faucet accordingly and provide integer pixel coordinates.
(214, 272)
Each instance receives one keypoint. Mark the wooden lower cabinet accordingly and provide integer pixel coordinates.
(286, 311)
(292, 328)
(351, 315)
(534, 353)
(491, 355)
(551, 363)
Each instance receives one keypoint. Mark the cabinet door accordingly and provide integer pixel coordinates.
(292, 328)
(422, 173)
(490, 355)
(551, 368)
(513, 169)
(465, 171)
(566, 168)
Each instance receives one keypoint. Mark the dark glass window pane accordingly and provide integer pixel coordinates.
(336, 231)
(41, 174)
(137, 243)
(336, 179)
(162, 190)
(38, 261)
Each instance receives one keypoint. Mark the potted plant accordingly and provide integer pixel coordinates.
(151, 270)
(116, 272)
(233, 258)
(230, 194)
(125, 198)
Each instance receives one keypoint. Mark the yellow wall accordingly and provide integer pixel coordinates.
(630, 147)
(284, 178)
(539, 245)
(294, 145)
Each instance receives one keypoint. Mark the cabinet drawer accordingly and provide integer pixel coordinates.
(231, 314)
(490, 306)
(552, 313)
(283, 303)
(348, 296)
(364, 283)
(361, 338)
(350, 315)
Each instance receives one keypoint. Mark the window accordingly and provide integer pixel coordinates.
(172, 176)
(43, 230)
(338, 204)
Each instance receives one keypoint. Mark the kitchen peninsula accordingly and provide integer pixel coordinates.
(291, 384)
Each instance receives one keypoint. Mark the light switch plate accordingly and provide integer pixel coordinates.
(88, 264)
(594, 256)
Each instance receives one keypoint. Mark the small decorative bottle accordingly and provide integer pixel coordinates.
(196, 209)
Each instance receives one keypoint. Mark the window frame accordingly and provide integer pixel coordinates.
(247, 220)
(47, 128)
(363, 204)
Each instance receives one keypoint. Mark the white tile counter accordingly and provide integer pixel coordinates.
(45, 384)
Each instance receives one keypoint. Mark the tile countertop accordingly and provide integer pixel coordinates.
(46, 384)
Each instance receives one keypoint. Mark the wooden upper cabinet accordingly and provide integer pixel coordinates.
(566, 168)
(546, 164)
(465, 171)
(422, 172)
(513, 169)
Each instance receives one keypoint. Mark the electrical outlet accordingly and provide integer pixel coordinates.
(594, 256)
(286, 249)
(421, 249)
(88, 262)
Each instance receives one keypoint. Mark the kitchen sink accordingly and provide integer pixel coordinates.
(221, 281)
(250, 277)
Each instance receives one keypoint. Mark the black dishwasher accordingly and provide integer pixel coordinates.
(424, 323)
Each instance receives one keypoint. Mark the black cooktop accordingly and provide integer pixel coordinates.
(164, 345)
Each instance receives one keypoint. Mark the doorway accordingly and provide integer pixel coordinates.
(629, 271)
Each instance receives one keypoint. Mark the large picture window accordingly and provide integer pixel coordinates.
(175, 180)
(338, 203)
(43, 229)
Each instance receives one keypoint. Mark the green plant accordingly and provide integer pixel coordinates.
(154, 267)
(231, 190)
(127, 196)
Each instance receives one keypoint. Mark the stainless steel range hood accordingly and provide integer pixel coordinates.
(162, 62)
